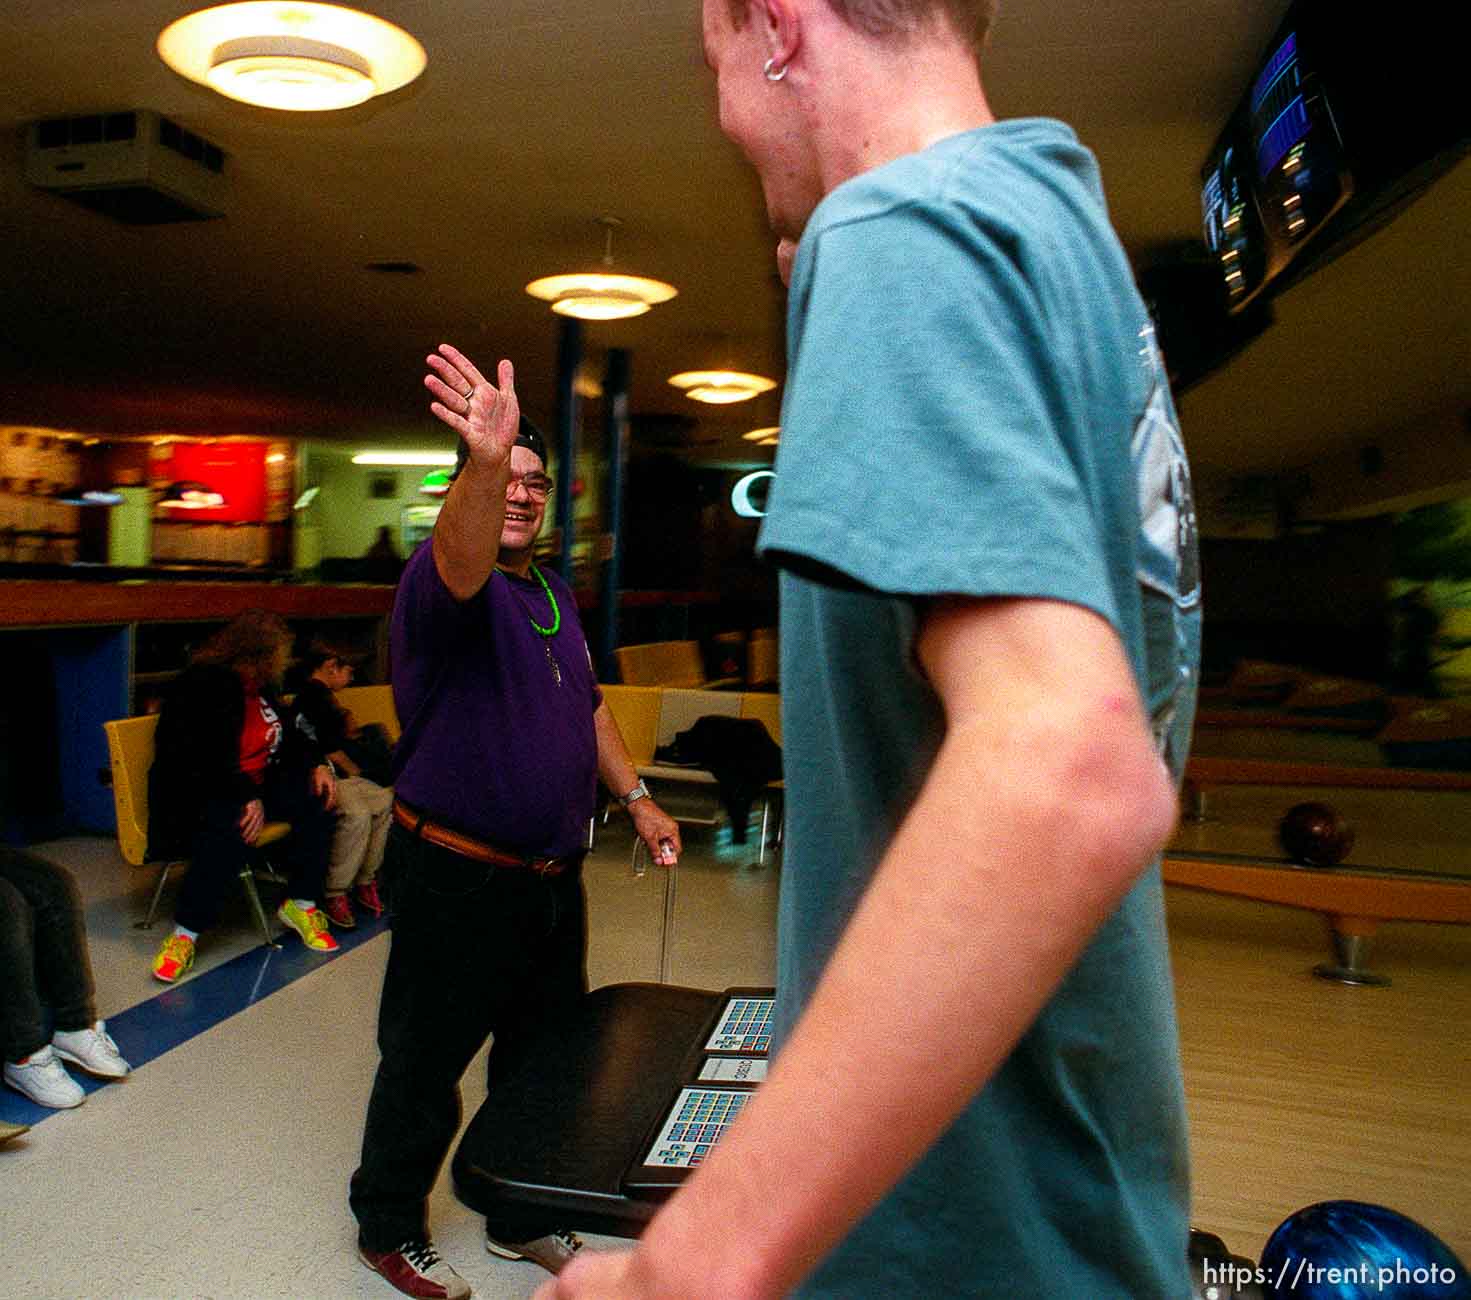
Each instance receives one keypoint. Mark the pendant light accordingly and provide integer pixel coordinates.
(720, 387)
(603, 294)
(299, 55)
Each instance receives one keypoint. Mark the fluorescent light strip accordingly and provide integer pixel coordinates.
(404, 458)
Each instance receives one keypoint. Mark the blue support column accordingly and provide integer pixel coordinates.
(615, 421)
(569, 358)
(91, 669)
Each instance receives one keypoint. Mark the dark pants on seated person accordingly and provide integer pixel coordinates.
(43, 954)
(476, 950)
(217, 854)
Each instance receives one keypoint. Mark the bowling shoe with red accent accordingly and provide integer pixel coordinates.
(416, 1269)
(368, 898)
(339, 911)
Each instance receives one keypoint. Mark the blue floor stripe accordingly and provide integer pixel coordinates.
(196, 1005)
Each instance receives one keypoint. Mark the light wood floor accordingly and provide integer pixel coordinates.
(220, 1168)
(1301, 1090)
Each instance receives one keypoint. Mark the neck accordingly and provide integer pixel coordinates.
(874, 105)
(517, 562)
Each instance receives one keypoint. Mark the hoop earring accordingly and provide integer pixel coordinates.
(771, 72)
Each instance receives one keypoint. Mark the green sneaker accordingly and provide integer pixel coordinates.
(310, 923)
(175, 958)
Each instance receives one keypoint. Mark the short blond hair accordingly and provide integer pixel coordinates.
(891, 19)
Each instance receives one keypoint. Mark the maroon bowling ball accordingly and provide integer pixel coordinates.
(1315, 834)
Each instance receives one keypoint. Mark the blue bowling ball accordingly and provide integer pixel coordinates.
(1347, 1250)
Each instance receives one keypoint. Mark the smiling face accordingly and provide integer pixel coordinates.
(524, 512)
(761, 117)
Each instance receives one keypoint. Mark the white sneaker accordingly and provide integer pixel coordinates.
(93, 1049)
(42, 1079)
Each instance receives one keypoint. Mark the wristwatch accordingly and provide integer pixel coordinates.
(640, 791)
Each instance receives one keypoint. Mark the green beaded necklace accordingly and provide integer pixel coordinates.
(545, 632)
(556, 612)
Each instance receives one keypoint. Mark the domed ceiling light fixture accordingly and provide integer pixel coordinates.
(603, 294)
(767, 437)
(297, 55)
(720, 387)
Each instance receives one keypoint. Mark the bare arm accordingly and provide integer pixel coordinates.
(1045, 802)
(655, 827)
(468, 531)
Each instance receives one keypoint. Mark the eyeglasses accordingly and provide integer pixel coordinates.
(538, 486)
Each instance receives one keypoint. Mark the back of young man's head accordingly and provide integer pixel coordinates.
(898, 19)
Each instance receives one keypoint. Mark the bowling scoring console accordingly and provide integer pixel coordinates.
(732, 1061)
(614, 1106)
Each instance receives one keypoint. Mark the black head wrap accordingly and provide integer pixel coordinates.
(529, 437)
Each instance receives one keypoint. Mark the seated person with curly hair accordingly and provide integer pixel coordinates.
(223, 765)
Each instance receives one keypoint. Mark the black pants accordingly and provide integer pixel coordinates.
(217, 854)
(475, 950)
(43, 954)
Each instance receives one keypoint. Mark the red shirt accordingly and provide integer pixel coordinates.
(260, 737)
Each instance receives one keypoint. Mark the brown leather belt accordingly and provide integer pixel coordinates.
(416, 823)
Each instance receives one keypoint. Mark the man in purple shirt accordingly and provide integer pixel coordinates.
(504, 737)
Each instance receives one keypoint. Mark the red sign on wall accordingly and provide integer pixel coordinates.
(236, 470)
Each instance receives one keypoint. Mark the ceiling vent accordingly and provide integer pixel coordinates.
(137, 167)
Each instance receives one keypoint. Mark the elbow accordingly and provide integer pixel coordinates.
(1124, 802)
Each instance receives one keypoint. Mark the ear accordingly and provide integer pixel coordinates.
(781, 24)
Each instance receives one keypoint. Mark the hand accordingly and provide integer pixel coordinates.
(658, 830)
(324, 786)
(252, 820)
(486, 417)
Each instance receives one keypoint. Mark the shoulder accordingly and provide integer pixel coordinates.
(419, 572)
(314, 698)
(424, 609)
(206, 681)
(1001, 185)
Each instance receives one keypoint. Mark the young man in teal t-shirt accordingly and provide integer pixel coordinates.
(990, 631)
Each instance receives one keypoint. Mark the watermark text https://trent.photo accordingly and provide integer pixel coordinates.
(1385, 1278)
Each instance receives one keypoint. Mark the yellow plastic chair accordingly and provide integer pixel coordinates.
(130, 748)
(666, 663)
(371, 704)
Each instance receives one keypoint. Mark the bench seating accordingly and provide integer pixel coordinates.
(666, 663)
(648, 716)
(651, 716)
